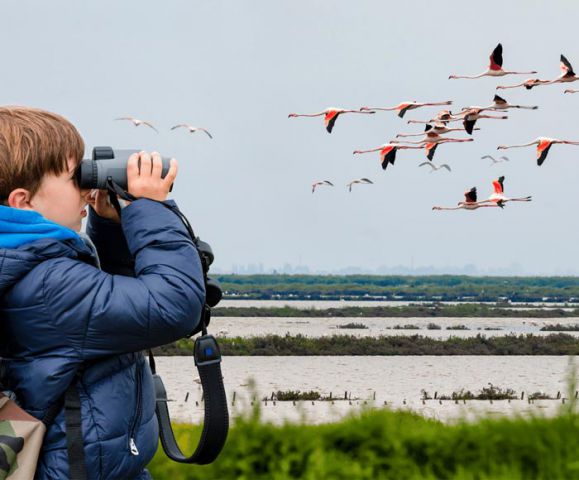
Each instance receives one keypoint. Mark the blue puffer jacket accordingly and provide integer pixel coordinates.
(58, 311)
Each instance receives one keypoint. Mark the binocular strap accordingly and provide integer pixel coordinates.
(216, 423)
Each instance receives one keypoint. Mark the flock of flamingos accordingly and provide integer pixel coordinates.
(437, 126)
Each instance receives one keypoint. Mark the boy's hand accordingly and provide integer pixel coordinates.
(147, 182)
(100, 202)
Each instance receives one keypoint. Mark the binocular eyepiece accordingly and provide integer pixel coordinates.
(109, 163)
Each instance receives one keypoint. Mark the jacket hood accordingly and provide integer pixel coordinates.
(27, 239)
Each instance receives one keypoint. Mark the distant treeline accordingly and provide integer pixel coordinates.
(397, 287)
(287, 345)
(434, 310)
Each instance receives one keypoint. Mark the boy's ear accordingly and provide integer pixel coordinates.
(19, 198)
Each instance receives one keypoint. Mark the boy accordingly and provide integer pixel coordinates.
(65, 321)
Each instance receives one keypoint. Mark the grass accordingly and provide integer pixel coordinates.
(386, 445)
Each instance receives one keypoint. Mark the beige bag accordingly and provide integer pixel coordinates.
(21, 438)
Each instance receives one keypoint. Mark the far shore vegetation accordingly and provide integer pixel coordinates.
(336, 345)
(428, 310)
(442, 288)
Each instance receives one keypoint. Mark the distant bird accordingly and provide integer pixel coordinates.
(470, 202)
(500, 160)
(137, 122)
(544, 144)
(323, 182)
(191, 129)
(471, 116)
(528, 84)
(438, 128)
(498, 196)
(387, 152)
(495, 68)
(435, 167)
(501, 104)
(571, 90)
(444, 116)
(330, 116)
(362, 181)
(403, 107)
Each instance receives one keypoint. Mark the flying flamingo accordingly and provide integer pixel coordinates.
(191, 129)
(470, 202)
(571, 90)
(471, 115)
(501, 104)
(444, 116)
(330, 115)
(430, 147)
(567, 73)
(137, 122)
(387, 152)
(495, 68)
(361, 181)
(438, 128)
(403, 107)
(543, 146)
(323, 182)
(498, 196)
(435, 167)
(528, 84)
(500, 160)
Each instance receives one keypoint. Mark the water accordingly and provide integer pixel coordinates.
(320, 327)
(395, 380)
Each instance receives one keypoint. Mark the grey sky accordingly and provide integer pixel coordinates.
(238, 68)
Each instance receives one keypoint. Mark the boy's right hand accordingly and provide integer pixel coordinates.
(147, 182)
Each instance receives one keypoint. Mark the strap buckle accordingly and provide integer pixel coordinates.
(206, 351)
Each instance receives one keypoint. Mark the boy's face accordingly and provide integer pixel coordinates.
(60, 200)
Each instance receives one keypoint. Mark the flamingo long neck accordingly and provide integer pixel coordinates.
(523, 145)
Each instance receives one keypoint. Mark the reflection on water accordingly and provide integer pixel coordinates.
(396, 380)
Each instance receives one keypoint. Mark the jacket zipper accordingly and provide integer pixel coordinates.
(132, 445)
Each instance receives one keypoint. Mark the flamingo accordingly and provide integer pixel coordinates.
(470, 202)
(528, 84)
(362, 181)
(191, 129)
(403, 107)
(567, 73)
(438, 128)
(495, 68)
(471, 115)
(435, 167)
(498, 196)
(501, 104)
(571, 90)
(137, 122)
(430, 147)
(493, 161)
(429, 137)
(544, 144)
(330, 115)
(323, 182)
(387, 152)
(444, 116)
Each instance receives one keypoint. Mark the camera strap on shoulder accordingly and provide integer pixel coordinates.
(207, 357)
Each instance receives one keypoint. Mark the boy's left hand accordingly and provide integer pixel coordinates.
(102, 206)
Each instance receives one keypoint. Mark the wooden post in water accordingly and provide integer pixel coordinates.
(522, 395)
(374, 396)
(233, 401)
(558, 395)
(186, 397)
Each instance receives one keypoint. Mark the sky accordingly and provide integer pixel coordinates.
(238, 68)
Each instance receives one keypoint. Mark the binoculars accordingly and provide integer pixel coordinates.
(107, 162)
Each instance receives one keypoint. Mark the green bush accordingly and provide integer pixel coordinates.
(382, 444)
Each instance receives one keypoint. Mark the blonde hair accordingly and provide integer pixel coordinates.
(34, 143)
